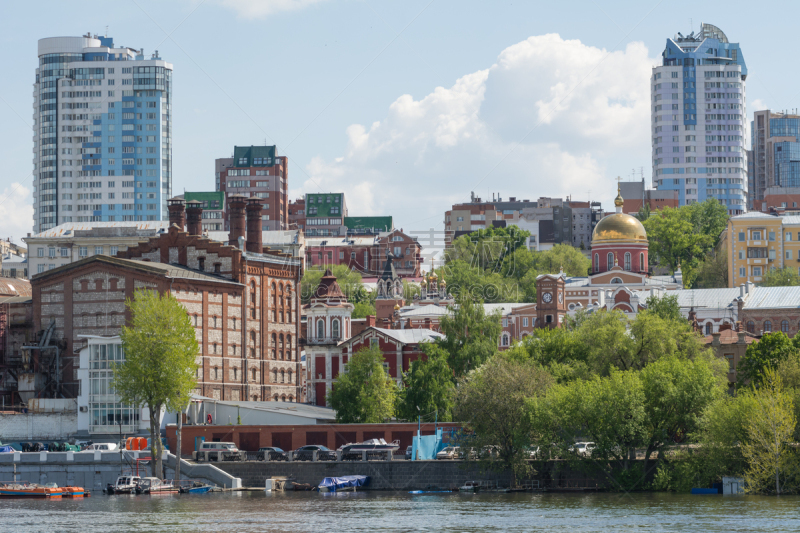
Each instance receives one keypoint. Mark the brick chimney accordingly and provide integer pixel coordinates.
(236, 218)
(194, 218)
(254, 239)
(370, 321)
(177, 213)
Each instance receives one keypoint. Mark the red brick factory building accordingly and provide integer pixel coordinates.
(242, 300)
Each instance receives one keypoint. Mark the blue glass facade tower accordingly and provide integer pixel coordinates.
(103, 133)
(698, 119)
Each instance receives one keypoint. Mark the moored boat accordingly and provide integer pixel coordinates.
(469, 486)
(123, 485)
(153, 485)
(29, 490)
(371, 445)
(343, 483)
(196, 488)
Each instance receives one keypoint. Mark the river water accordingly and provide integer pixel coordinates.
(344, 512)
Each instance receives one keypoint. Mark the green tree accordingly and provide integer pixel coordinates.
(768, 449)
(364, 394)
(565, 256)
(767, 352)
(712, 271)
(160, 361)
(709, 218)
(471, 336)
(676, 394)
(780, 277)
(429, 386)
(487, 249)
(363, 310)
(604, 335)
(644, 212)
(490, 401)
(665, 307)
(349, 281)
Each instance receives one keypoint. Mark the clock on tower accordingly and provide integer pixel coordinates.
(550, 309)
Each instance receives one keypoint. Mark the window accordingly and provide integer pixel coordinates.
(609, 261)
(642, 266)
(335, 328)
(597, 262)
(505, 322)
(627, 261)
(785, 326)
(40, 252)
(83, 251)
(616, 280)
(767, 326)
(320, 329)
(504, 340)
(524, 322)
(756, 271)
(64, 252)
(751, 326)
(708, 328)
(51, 252)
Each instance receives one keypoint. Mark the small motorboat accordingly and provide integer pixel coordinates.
(75, 492)
(196, 488)
(371, 445)
(153, 485)
(343, 483)
(469, 486)
(123, 485)
(30, 490)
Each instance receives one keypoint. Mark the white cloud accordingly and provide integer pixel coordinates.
(551, 117)
(262, 8)
(756, 105)
(16, 212)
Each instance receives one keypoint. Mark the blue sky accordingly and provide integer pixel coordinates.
(405, 106)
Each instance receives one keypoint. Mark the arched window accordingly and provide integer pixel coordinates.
(283, 398)
(335, 328)
(283, 376)
(609, 261)
(235, 373)
(216, 373)
(596, 262)
(291, 398)
(504, 340)
(276, 398)
(642, 266)
(751, 326)
(289, 351)
(289, 309)
(274, 376)
(616, 280)
(320, 329)
(253, 292)
(215, 349)
(767, 326)
(290, 376)
(708, 328)
(785, 326)
(274, 295)
(253, 338)
(254, 374)
(627, 261)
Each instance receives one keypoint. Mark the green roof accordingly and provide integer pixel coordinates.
(208, 199)
(323, 204)
(379, 223)
(254, 156)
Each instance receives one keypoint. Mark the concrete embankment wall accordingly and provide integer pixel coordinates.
(37, 426)
(384, 475)
(94, 470)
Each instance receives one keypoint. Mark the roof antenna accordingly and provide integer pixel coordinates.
(106, 35)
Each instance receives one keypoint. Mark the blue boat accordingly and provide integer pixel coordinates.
(429, 491)
(336, 484)
(196, 488)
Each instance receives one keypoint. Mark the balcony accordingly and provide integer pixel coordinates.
(322, 340)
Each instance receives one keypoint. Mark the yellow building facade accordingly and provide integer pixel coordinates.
(757, 243)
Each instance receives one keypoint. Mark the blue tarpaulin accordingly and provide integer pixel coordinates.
(6, 449)
(332, 484)
(425, 448)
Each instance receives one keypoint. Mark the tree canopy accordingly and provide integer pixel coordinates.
(364, 394)
(160, 360)
(471, 336)
(780, 277)
(428, 386)
(768, 352)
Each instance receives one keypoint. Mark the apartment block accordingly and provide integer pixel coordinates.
(758, 242)
(698, 115)
(257, 171)
(102, 140)
(325, 213)
(776, 158)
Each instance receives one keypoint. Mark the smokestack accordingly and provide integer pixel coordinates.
(254, 239)
(177, 213)
(194, 218)
(236, 218)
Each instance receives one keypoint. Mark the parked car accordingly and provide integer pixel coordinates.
(408, 453)
(450, 452)
(306, 453)
(271, 453)
(102, 446)
(584, 449)
(219, 451)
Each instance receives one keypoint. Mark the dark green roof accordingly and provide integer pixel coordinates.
(323, 204)
(378, 223)
(265, 154)
(207, 198)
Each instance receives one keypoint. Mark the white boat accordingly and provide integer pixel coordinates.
(153, 485)
(371, 445)
(469, 486)
(123, 485)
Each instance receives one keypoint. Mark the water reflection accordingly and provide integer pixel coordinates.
(313, 512)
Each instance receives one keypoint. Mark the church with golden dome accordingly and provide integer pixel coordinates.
(619, 277)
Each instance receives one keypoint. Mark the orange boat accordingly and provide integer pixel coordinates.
(29, 490)
(75, 492)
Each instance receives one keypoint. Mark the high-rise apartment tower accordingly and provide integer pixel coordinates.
(102, 133)
(698, 119)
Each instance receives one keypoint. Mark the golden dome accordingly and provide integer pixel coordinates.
(619, 227)
(443, 283)
(433, 276)
(396, 307)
